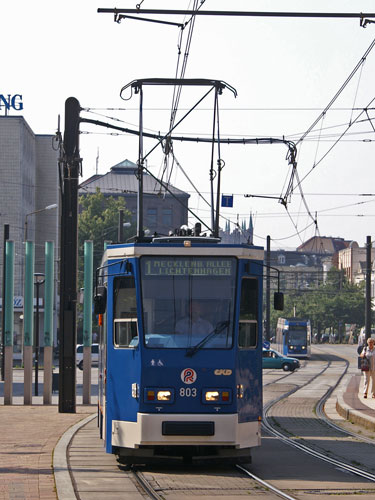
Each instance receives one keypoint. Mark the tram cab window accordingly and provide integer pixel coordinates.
(125, 312)
(187, 300)
(248, 324)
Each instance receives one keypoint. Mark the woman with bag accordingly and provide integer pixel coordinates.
(368, 354)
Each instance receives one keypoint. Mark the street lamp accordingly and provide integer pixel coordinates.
(39, 279)
(48, 207)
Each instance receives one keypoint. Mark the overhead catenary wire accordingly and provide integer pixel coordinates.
(177, 90)
(329, 105)
(334, 144)
(302, 195)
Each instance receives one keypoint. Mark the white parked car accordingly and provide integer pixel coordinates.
(94, 355)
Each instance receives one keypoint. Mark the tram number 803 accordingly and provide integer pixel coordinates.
(188, 392)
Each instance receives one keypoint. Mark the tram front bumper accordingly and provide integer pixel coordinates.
(186, 429)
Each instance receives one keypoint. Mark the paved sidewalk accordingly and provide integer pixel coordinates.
(33, 437)
(352, 406)
(29, 435)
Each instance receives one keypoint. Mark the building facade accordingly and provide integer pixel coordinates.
(163, 210)
(29, 184)
(352, 261)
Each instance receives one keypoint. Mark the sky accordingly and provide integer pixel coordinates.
(285, 71)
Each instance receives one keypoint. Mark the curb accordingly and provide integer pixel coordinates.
(63, 480)
(352, 415)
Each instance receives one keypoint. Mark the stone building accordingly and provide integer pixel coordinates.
(28, 184)
(163, 211)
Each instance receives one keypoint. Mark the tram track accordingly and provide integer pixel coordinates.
(190, 482)
(319, 408)
(186, 484)
(145, 485)
(265, 484)
(322, 415)
(157, 484)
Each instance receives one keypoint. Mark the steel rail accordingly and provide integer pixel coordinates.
(341, 465)
(322, 415)
(145, 484)
(306, 449)
(155, 496)
(269, 486)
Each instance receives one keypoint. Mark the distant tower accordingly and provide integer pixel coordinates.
(97, 162)
(251, 230)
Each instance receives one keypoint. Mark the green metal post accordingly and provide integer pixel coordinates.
(87, 320)
(48, 294)
(28, 323)
(28, 308)
(9, 323)
(9, 293)
(87, 300)
(48, 321)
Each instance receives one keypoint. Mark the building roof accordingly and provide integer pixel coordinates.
(121, 179)
(324, 244)
(293, 258)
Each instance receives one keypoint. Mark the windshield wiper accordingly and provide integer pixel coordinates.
(219, 328)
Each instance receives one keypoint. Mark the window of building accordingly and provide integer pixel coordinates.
(167, 217)
(281, 259)
(151, 220)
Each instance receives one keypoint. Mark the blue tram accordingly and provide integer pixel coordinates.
(180, 372)
(180, 369)
(293, 337)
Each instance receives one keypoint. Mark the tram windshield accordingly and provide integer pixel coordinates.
(297, 336)
(186, 300)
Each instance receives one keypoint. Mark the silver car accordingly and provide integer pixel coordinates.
(94, 355)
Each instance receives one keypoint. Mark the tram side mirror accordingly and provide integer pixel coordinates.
(100, 300)
(278, 301)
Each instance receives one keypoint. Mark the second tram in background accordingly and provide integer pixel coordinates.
(293, 337)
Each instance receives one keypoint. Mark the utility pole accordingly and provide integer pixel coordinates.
(68, 265)
(368, 288)
(120, 231)
(268, 290)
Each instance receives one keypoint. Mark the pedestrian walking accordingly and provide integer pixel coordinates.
(369, 353)
(361, 340)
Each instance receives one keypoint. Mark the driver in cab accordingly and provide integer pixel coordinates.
(194, 324)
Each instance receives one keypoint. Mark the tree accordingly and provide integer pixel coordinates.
(98, 221)
(329, 305)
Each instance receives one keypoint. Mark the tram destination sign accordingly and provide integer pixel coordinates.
(188, 267)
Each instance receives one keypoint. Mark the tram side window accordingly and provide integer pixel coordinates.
(125, 329)
(248, 324)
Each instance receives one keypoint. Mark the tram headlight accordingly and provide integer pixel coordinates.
(212, 396)
(164, 395)
(217, 396)
(158, 395)
(303, 347)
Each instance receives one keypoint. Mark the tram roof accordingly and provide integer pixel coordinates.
(180, 250)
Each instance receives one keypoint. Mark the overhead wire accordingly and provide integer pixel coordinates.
(177, 90)
(334, 144)
(329, 105)
(294, 174)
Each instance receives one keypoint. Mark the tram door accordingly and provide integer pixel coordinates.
(249, 383)
(122, 359)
